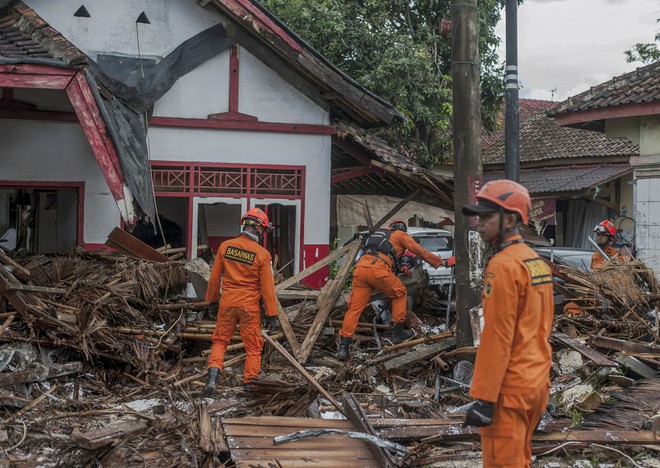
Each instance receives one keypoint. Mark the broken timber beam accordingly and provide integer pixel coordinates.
(36, 289)
(127, 243)
(425, 339)
(108, 435)
(420, 353)
(622, 345)
(38, 374)
(7, 260)
(355, 414)
(591, 354)
(302, 371)
(285, 325)
(327, 300)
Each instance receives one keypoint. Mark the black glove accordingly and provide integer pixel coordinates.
(480, 414)
(212, 309)
(272, 323)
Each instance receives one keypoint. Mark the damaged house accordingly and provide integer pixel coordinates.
(115, 113)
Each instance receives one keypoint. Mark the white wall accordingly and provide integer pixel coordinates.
(311, 151)
(112, 28)
(59, 152)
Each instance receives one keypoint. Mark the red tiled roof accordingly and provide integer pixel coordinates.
(637, 87)
(526, 108)
(24, 35)
(565, 179)
(541, 139)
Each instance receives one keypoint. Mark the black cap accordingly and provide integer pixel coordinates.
(482, 206)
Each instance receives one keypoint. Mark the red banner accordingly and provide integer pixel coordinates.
(544, 209)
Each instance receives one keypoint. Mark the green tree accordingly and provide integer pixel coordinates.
(644, 52)
(401, 50)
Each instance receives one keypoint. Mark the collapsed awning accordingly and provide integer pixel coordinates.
(351, 210)
(561, 180)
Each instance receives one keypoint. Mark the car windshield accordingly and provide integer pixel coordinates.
(436, 243)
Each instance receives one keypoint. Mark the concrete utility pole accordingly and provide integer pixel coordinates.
(466, 100)
(511, 115)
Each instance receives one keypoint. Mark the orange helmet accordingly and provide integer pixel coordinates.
(605, 227)
(501, 194)
(256, 217)
(399, 224)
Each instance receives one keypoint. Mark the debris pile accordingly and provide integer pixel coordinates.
(102, 361)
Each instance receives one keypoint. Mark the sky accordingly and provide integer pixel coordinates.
(571, 45)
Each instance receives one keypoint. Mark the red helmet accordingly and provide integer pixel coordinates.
(606, 227)
(256, 217)
(505, 194)
(399, 224)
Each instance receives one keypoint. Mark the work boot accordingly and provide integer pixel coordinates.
(209, 388)
(400, 334)
(344, 348)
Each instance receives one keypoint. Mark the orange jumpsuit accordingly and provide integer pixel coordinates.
(512, 367)
(375, 272)
(598, 260)
(247, 277)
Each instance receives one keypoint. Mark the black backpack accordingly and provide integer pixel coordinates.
(379, 242)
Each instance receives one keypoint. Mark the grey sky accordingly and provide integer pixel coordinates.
(571, 45)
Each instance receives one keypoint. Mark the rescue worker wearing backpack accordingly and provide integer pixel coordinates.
(245, 268)
(376, 269)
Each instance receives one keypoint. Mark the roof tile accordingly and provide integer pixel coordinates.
(636, 87)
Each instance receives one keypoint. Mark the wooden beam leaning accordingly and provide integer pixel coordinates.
(302, 371)
(286, 328)
(355, 414)
(312, 269)
(327, 301)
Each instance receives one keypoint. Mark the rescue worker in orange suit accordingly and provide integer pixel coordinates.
(605, 234)
(245, 268)
(511, 376)
(376, 270)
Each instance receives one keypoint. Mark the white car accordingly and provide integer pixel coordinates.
(440, 243)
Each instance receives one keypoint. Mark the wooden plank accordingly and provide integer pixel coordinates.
(302, 370)
(604, 436)
(426, 339)
(285, 325)
(37, 289)
(39, 374)
(302, 423)
(306, 463)
(298, 295)
(274, 431)
(17, 300)
(359, 419)
(591, 354)
(326, 303)
(318, 443)
(276, 453)
(127, 243)
(622, 345)
(7, 260)
(422, 352)
(95, 439)
(312, 269)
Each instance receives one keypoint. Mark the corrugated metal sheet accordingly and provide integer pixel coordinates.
(566, 179)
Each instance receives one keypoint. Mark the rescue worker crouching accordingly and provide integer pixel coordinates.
(511, 376)
(376, 270)
(605, 234)
(245, 268)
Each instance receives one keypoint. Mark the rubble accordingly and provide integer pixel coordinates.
(102, 361)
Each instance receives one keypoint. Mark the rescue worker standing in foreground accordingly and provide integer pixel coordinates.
(511, 376)
(605, 233)
(247, 277)
(376, 270)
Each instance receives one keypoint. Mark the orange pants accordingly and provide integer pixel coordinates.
(365, 280)
(225, 326)
(508, 441)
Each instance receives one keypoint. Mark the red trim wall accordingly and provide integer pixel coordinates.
(79, 186)
(310, 256)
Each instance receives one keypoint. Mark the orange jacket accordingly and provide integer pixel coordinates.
(614, 254)
(514, 354)
(247, 276)
(402, 241)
